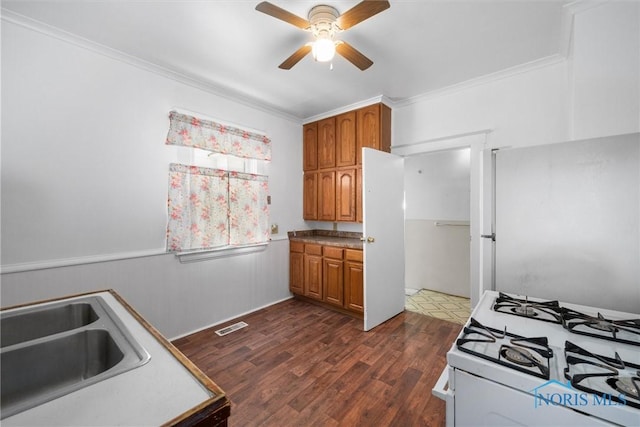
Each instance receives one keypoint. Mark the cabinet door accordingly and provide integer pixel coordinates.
(327, 196)
(296, 273)
(346, 139)
(332, 278)
(327, 143)
(310, 196)
(353, 286)
(346, 195)
(310, 146)
(373, 129)
(368, 133)
(313, 276)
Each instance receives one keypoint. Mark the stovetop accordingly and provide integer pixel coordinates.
(549, 348)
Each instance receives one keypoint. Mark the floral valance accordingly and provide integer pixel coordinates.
(191, 131)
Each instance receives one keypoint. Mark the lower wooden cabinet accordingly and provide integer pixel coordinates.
(313, 271)
(296, 267)
(329, 274)
(353, 280)
(333, 275)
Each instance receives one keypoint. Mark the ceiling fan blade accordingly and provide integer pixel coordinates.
(352, 55)
(363, 10)
(279, 13)
(296, 57)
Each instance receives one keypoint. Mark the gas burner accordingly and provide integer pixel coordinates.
(518, 356)
(548, 311)
(609, 377)
(622, 331)
(602, 325)
(629, 386)
(528, 355)
(525, 310)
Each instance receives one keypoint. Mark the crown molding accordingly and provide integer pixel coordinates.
(569, 11)
(172, 74)
(482, 80)
(350, 107)
(564, 49)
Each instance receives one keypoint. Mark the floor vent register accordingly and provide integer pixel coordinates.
(231, 328)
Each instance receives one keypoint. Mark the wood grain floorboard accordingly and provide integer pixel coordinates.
(298, 364)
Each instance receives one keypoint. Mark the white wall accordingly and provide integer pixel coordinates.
(436, 185)
(522, 109)
(606, 69)
(84, 172)
(592, 93)
(437, 191)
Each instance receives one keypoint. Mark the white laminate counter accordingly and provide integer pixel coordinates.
(150, 395)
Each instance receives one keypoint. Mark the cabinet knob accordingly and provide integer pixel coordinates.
(370, 239)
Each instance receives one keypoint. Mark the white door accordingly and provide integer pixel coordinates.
(383, 228)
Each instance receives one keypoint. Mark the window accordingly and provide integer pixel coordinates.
(218, 200)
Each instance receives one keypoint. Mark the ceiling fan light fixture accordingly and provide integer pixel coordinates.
(323, 49)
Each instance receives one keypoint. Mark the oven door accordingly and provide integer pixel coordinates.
(481, 402)
(445, 391)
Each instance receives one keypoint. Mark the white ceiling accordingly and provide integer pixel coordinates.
(417, 46)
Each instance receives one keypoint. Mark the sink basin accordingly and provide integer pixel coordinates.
(52, 350)
(26, 326)
(39, 369)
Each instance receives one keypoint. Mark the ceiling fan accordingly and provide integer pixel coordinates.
(324, 22)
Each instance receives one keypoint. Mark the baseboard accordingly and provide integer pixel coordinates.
(228, 319)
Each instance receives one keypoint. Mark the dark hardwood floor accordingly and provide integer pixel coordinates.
(298, 364)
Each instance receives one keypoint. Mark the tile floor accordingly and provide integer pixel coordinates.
(446, 307)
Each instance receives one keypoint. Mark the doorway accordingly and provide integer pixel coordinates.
(437, 230)
(479, 219)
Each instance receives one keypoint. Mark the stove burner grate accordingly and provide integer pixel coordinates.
(629, 386)
(513, 351)
(593, 373)
(622, 331)
(548, 311)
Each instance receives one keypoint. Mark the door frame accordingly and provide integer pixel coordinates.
(481, 200)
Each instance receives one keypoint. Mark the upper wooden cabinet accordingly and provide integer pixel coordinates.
(310, 146)
(327, 143)
(373, 129)
(346, 139)
(346, 195)
(333, 148)
(327, 196)
(310, 196)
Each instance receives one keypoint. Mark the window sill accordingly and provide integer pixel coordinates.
(227, 251)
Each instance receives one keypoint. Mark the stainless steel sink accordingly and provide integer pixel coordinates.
(52, 350)
(32, 324)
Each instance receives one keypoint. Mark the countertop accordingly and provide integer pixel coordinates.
(152, 394)
(345, 239)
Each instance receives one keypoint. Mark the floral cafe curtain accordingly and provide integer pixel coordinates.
(211, 208)
(191, 131)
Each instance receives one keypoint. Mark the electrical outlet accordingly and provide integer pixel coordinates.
(274, 228)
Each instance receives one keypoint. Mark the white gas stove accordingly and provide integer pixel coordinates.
(525, 361)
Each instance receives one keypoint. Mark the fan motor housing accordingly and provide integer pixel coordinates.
(323, 19)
